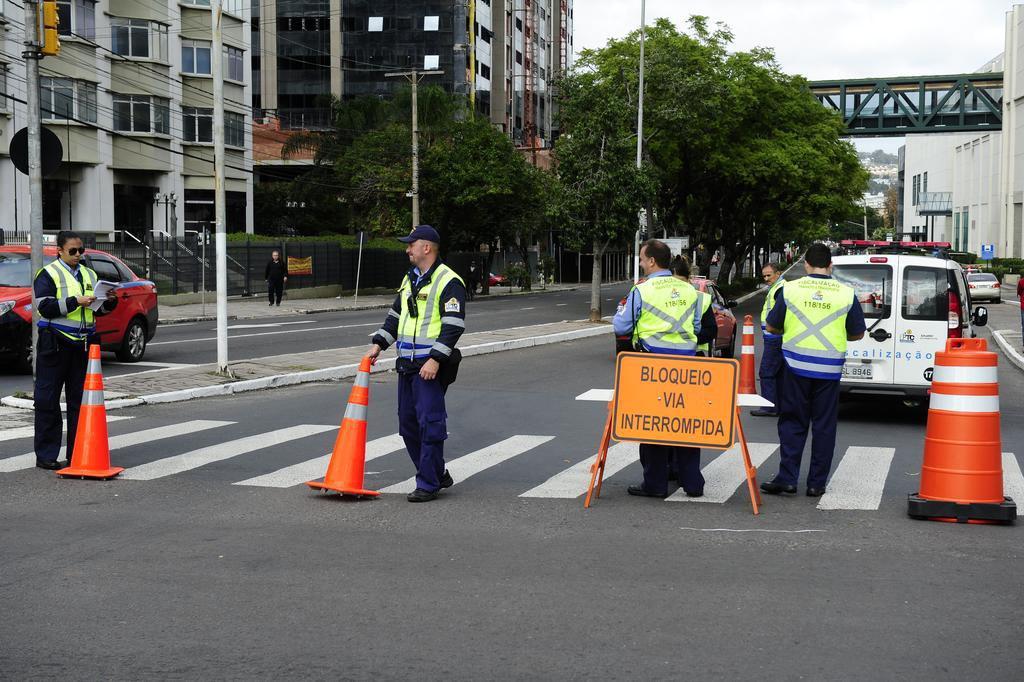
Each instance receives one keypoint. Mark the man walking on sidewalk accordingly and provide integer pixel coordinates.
(276, 274)
(1020, 295)
(426, 320)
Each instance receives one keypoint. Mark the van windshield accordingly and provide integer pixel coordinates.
(925, 294)
(15, 270)
(873, 285)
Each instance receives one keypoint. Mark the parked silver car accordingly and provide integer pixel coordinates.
(984, 287)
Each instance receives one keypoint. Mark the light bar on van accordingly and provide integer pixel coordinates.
(862, 243)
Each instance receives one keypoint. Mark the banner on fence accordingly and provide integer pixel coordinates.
(300, 266)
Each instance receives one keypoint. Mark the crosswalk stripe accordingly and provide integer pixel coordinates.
(29, 431)
(28, 460)
(724, 474)
(315, 468)
(475, 462)
(1013, 480)
(573, 482)
(858, 481)
(221, 451)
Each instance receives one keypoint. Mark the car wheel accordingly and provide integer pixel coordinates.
(23, 363)
(133, 347)
(730, 351)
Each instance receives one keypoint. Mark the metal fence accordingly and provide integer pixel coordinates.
(188, 265)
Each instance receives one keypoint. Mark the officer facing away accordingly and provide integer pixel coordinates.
(816, 316)
(62, 292)
(663, 314)
(426, 319)
(771, 355)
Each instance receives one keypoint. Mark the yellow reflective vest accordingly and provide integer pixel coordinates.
(668, 316)
(814, 337)
(769, 303)
(417, 334)
(79, 323)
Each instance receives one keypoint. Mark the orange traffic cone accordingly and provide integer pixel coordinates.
(345, 472)
(962, 471)
(91, 458)
(747, 370)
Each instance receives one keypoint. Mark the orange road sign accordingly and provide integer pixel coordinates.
(675, 400)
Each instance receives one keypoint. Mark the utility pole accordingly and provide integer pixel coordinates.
(642, 213)
(32, 56)
(220, 210)
(865, 201)
(414, 77)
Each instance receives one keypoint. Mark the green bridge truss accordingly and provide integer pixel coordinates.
(919, 104)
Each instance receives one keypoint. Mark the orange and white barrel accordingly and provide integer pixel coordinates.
(747, 358)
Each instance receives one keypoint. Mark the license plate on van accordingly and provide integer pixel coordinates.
(857, 372)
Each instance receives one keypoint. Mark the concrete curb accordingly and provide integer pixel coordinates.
(1009, 351)
(325, 374)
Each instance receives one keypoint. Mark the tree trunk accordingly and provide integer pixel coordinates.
(595, 282)
(524, 252)
(485, 273)
(728, 260)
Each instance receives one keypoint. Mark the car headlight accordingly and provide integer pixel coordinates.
(6, 307)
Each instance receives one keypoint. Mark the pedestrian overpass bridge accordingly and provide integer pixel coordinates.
(879, 107)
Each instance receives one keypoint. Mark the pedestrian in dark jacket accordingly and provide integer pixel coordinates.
(276, 274)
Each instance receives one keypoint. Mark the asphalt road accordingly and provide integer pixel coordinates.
(219, 563)
(196, 343)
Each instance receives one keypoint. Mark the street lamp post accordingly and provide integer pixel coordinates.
(641, 214)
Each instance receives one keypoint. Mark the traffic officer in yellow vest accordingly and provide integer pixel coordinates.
(663, 314)
(62, 292)
(425, 322)
(816, 316)
(771, 353)
(681, 270)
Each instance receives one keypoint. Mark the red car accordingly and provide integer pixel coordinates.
(125, 331)
(725, 343)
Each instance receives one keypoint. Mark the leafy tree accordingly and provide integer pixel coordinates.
(601, 188)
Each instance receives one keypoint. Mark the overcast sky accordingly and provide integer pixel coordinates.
(823, 39)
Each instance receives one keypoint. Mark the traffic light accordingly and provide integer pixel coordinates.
(48, 28)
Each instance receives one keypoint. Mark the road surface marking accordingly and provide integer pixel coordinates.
(531, 308)
(475, 462)
(315, 468)
(29, 431)
(858, 481)
(597, 394)
(724, 475)
(28, 460)
(573, 482)
(559, 305)
(752, 530)
(282, 331)
(221, 451)
(265, 325)
(1013, 480)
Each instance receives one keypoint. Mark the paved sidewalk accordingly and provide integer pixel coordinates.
(257, 307)
(199, 381)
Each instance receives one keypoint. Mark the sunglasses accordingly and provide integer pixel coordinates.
(414, 311)
(76, 252)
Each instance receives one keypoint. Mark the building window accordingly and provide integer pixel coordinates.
(138, 38)
(375, 24)
(431, 61)
(197, 3)
(197, 124)
(349, 24)
(924, 182)
(77, 17)
(3, 87)
(234, 129)
(485, 71)
(431, 23)
(195, 57)
(233, 64)
(141, 114)
(62, 99)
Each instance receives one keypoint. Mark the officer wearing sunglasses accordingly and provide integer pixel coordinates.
(62, 292)
(425, 322)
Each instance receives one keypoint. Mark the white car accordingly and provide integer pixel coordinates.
(984, 287)
(912, 303)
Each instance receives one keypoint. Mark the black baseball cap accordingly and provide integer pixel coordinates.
(422, 232)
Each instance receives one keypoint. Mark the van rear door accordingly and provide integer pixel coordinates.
(923, 314)
(871, 360)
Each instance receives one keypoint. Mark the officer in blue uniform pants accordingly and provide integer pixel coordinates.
(656, 460)
(62, 291)
(809, 392)
(425, 322)
(771, 352)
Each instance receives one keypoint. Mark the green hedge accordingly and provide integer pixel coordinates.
(963, 258)
(345, 240)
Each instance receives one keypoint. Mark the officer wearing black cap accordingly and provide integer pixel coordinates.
(425, 322)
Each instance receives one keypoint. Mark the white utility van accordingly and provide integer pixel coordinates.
(913, 299)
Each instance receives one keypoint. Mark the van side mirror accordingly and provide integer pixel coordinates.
(979, 316)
